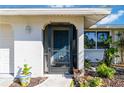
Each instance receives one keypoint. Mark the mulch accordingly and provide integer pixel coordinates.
(113, 83)
(117, 81)
(34, 82)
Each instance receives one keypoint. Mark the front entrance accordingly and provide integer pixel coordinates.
(60, 50)
(58, 44)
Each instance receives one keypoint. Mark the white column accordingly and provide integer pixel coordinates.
(80, 46)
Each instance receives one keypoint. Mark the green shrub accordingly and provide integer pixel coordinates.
(87, 63)
(92, 82)
(84, 84)
(95, 82)
(104, 71)
(72, 83)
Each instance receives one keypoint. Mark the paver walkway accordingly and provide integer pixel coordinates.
(56, 81)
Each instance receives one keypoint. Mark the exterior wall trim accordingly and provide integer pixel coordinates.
(53, 11)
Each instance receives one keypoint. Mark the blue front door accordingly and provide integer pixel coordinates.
(59, 50)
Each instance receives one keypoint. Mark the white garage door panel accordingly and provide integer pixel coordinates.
(4, 68)
(4, 55)
(4, 60)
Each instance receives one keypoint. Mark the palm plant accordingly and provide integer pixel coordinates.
(110, 52)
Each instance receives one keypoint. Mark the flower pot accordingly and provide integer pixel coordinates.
(25, 79)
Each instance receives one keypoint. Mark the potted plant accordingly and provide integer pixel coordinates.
(25, 75)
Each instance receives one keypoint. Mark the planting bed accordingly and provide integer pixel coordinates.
(34, 82)
(117, 81)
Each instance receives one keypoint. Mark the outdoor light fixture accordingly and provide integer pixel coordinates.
(28, 28)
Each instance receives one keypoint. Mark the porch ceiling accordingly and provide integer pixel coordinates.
(93, 19)
(91, 15)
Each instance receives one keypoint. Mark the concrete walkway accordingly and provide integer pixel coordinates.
(52, 81)
(5, 80)
(56, 81)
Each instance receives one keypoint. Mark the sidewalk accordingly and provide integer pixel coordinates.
(56, 81)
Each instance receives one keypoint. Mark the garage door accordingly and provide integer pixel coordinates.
(6, 49)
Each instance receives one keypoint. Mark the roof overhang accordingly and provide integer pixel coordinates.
(91, 15)
(108, 27)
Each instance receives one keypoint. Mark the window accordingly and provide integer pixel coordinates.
(100, 37)
(95, 40)
(90, 40)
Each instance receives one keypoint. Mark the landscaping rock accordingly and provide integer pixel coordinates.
(93, 69)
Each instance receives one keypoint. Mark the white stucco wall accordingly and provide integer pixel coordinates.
(28, 46)
(6, 49)
(94, 55)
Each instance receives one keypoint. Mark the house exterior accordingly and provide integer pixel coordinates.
(51, 41)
